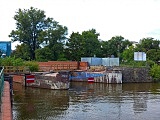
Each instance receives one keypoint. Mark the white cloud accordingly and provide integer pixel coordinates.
(133, 19)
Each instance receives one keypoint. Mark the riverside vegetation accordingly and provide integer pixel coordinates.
(44, 39)
(33, 65)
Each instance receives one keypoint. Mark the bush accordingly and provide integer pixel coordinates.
(148, 63)
(7, 61)
(134, 64)
(18, 62)
(33, 66)
(155, 72)
(11, 61)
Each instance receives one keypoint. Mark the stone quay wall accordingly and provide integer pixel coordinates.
(135, 75)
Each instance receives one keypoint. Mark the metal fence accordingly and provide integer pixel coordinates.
(110, 61)
(1, 82)
(94, 61)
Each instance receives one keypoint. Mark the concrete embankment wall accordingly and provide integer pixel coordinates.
(135, 75)
(129, 75)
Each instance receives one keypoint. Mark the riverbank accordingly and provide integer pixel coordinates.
(129, 75)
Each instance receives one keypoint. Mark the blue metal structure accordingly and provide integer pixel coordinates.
(82, 76)
(94, 61)
(5, 47)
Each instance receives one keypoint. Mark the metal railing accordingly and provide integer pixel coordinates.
(1, 82)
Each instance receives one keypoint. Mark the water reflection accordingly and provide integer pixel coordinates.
(88, 101)
(31, 103)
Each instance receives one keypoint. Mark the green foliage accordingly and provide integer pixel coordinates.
(104, 49)
(75, 46)
(33, 66)
(62, 58)
(150, 47)
(83, 45)
(146, 44)
(91, 43)
(43, 54)
(11, 61)
(117, 44)
(138, 64)
(29, 22)
(155, 72)
(33, 29)
(150, 63)
(7, 61)
(21, 51)
(153, 54)
(128, 54)
(55, 39)
(18, 62)
(43, 39)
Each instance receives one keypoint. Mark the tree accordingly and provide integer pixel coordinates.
(153, 55)
(83, 45)
(91, 43)
(29, 22)
(74, 48)
(21, 51)
(151, 47)
(117, 45)
(128, 54)
(146, 44)
(105, 49)
(43, 54)
(56, 37)
(34, 29)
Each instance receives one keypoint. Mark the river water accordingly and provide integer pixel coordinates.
(84, 101)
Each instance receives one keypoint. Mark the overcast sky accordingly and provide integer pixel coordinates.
(132, 19)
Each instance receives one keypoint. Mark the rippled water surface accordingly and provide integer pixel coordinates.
(84, 101)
